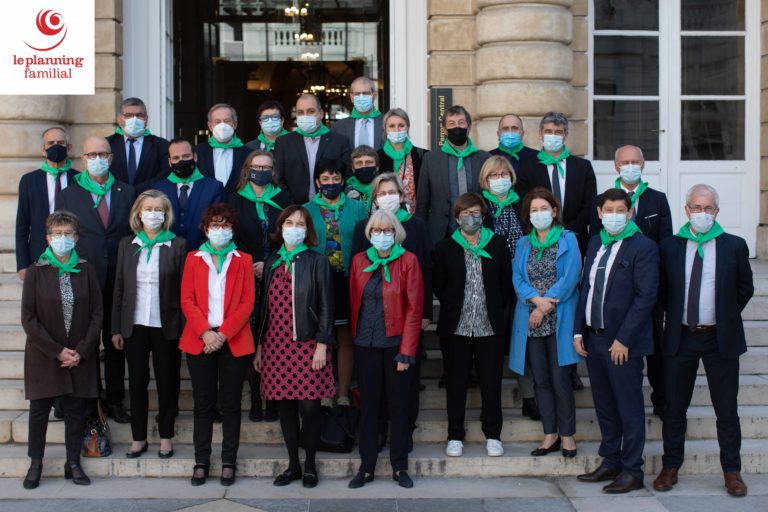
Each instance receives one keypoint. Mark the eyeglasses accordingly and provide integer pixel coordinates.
(69, 233)
(262, 168)
(706, 209)
(143, 117)
(384, 193)
(385, 231)
(92, 156)
(466, 215)
(498, 175)
(224, 224)
(273, 117)
(362, 93)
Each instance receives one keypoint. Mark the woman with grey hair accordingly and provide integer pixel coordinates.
(399, 155)
(386, 300)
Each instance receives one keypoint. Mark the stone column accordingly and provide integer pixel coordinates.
(762, 229)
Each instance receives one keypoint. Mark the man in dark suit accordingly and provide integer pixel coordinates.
(297, 152)
(138, 156)
(652, 215)
(364, 126)
(38, 191)
(706, 282)
(102, 204)
(613, 331)
(222, 156)
(447, 174)
(511, 147)
(189, 191)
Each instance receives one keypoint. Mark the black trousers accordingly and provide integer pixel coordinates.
(214, 376)
(166, 360)
(552, 384)
(723, 380)
(414, 394)
(379, 380)
(655, 361)
(488, 355)
(309, 430)
(114, 360)
(75, 409)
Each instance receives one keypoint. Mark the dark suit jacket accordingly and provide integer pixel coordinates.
(579, 194)
(249, 236)
(96, 244)
(204, 193)
(205, 164)
(653, 216)
(629, 297)
(346, 127)
(31, 214)
(733, 289)
(292, 164)
(171, 264)
(153, 162)
(433, 195)
(386, 164)
(526, 155)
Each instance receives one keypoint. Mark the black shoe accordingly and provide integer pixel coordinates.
(402, 479)
(310, 479)
(117, 413)
(32, 480)
(539, 452)
(75, 473)
(255, 415)
(228, 480)
(200, 480)
(286, 477)
(601, 474)
(359, 480)
(531, 409)
(137, 454)
(576, 383)
(164, 455)
(623, 484)
(569, 454)
(270, 415)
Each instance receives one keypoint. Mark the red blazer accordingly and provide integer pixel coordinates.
(238, 304)
(403, 298)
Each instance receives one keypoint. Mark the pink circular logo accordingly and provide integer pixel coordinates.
(50, 24)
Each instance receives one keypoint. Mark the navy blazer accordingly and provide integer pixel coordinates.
(346, 127)
(205, 164)
(525, 154)
(153, 161)
(653, 216)
(733, 289)
(629, 297)
(31, 213)
(205, 192)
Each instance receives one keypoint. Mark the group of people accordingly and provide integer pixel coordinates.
(302, 255)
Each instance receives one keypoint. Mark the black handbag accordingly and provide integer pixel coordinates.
(96, 442)
(339, 426)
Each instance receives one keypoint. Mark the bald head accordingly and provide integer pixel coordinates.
(306, 101)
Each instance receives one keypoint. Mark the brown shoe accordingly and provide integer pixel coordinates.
(666, 480)
(735, 485)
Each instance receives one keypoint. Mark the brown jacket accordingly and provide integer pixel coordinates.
(43, 321)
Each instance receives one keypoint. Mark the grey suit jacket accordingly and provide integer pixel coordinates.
(346, 127)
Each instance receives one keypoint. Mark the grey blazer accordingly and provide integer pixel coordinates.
(346, 127)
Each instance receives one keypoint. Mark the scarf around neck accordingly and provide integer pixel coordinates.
(286, 256)
(221, 253)
(46, 167)
(270, 144)
(461, 155)
(700, 238)
(234, 142)
(513, 152)
(270, 191)
(335, 208)
(477, 250)
(196, 175)
(548, 159)
(377, 261)
(511, 199)
(161, 237)
(84, 180)
(321, 130)
(398, 157)
(357, 115)
(551, 239)
(629, 230)
(68, 266)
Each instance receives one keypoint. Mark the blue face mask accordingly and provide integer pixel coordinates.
(630, 173)
(382, 242)
(98, 166)
(363, 102)
(553, 143)
(307, 123)
(61, 245)
(542, 219)
(397, 137)
(271, 126)
(614, 223)
(134, 127)
(219, 237)
(293, 236)
(510, 139)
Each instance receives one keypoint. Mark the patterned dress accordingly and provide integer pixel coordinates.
(286, 364)
(543, 275)
(507, 225)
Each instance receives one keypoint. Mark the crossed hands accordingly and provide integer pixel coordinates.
(213, 341)
(544, 306)
(69, 358)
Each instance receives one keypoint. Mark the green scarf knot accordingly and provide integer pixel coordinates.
(335, 208)
(548, 159)
(270, 191)
(161, 237)
(357, 115)
(196, 175)
(321, 130)
(551, 239)
(476, 250)
(84, 180)
(700, 238)
(270, 144)
(403, 215)
(461, 155)
(514, 151)
(398, 157)
(629, 230)
(234, 142)
(377, 261)
(637, 192)
(68, 266)
(221, 253)
(363, 189)
(511, 199)
(119, 131)
(45, 166)
(286, 256)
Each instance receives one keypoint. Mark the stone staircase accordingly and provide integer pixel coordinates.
(262, 453)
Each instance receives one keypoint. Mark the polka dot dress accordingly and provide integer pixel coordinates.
(286, 364)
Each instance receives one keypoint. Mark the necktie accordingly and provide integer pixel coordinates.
(183, 198)
(131, 161)
(556, 185)
(103, 211)
(599, 290)
(362, 135)
(57, 190)
(694, 291)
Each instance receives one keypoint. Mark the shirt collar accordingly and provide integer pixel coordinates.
(203, 253)
(138, 139)
(136, 240)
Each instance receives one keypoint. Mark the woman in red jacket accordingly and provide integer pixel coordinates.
(386, 302)
(217, 295)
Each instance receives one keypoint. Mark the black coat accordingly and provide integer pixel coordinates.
(205, 164)
(526, 155)
(153, 161)
(386, 164)
(653, 217)
(249, 236)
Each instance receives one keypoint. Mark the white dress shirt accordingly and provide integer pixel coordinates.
(637, 201)
(561, 180)
(312, 144)
(222, 164)
(147, 311)
(137, 143)
(51, 181)
(217, 285)
(593, 272)
(358, 123)
(707, 297)
(189, 190)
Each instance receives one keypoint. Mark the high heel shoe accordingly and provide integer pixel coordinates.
(136, 454)
(75, 473)
(229, 480)
(539, 452)
(32, 480)
(200, 480)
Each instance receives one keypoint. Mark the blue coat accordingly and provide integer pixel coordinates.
(565, 289)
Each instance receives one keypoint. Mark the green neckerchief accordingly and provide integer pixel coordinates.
(221, 253)
(398, 157)
(69, 266)
(476, 250)
(234, 142)
(548, 159)
(637, 192)
(629, 230)
(377, 261)
(161, 237)
(513, 152)
(270, 145)
(197, 175)
(700, 238)
(403, 215)
(286, 256)
(119, 131)
(447, 148)
(357, 115)
(45, 166)
(321, 130)
(270, 191)
(511, 199)
(320, 201)
(365, 190)
(84, 180)
(551, 239)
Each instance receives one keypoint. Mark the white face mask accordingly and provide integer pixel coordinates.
(389, 202)
(500, 186)
(553, 143)
(630, 173)
(702, 221)
(219, 237)
(293, 236)
(614, 223)
(134, 127)
(98, 166)
(152, 220)
(222, 132)
(542, 219)
(307, 124)
(61, 245)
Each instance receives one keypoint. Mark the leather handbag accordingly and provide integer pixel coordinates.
(96, 442)
(338, 429)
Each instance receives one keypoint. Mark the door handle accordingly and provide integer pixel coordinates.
(660, 130)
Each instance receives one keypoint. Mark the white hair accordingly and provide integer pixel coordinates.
(55, 127)
(616, 153)
(702, 190)
(366, 80)
(382, 219)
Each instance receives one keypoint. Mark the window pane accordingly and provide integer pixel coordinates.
(626, 122)
(713, 65)
(712, 14)
(712, 130)
(627, 14)
(626, 65)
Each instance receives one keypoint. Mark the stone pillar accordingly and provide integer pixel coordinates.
(762, 229)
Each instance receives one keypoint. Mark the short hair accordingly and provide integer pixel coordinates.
(361, 151)
(132, 102)
(55, 127)
(222, 105)
(457, 110)
(181, 140)
(513, 115)
(395, 112)
(387, 177)
(222, 210)
(245, 170)
(62, 218)
(308, 95)
(369, 82)
(310, 239)
(615, 194)
(271, 105)
(384, 218)
(616, 153)
(493, 163)
(700, 190)
(329, 165)
(134, 217)
(557, 118)
(469, 200)
(540, 193)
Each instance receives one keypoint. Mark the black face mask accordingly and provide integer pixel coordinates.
(260, 178)
(457, 136)
(56, 153)
(184, 168)
(365, 175)
(331, 190)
